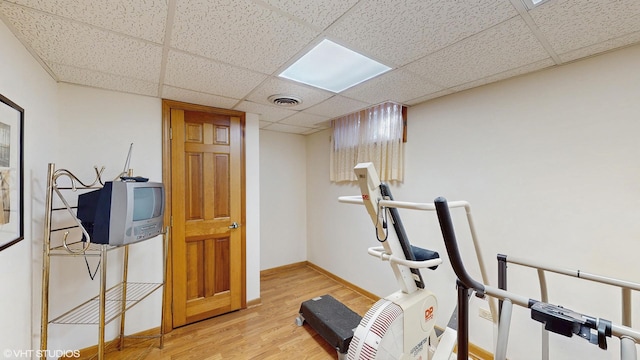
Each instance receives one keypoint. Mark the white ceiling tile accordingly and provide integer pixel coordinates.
(601, 47)
(82, 46)
(323, 125)
(422, 99)
(238, 32)
(304, 119)
(142, 19)
(277, 86)
(287, 128)
(101, 80)
(397, 85)
(208, 76)
(264, 124)
(337, 106)
(316, 13)
(506, 75)
(507, 46)
(266, 112)
(195, 97)
(402, 31)
(573, 24)
(311, 131)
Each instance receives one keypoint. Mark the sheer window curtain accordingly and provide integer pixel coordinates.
(372, 135)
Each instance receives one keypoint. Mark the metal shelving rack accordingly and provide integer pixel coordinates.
(109, 304)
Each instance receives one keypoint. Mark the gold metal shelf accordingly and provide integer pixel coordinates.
(109, 304)
(80, 248)
(88, 312)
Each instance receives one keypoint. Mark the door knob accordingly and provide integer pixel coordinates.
(234, 225)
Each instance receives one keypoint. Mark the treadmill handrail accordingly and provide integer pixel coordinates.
(451, 244)
(448, 233)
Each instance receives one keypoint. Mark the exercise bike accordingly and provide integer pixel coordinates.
(401, 325)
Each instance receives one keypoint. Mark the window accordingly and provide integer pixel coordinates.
(373, 135)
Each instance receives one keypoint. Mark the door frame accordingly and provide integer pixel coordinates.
(167, 318)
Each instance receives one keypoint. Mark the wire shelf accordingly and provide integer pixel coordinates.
(88, 313)
(78, 249)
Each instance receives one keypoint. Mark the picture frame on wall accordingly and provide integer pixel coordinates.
(11, 173)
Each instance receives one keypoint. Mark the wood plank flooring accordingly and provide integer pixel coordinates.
(267, 331)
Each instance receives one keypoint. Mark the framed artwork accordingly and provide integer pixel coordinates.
(11, 173)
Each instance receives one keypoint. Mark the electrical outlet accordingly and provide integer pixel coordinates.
(485, 314)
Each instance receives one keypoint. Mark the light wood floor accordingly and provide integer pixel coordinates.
(266, 331)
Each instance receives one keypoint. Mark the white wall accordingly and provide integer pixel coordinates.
(283, 199)
(24, 82)
(549, 163)
(252, 191)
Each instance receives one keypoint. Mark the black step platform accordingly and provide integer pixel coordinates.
(331, 319)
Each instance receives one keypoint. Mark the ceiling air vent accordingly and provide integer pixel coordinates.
(285, 100)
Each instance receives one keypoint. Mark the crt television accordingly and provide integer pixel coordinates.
(122, 212)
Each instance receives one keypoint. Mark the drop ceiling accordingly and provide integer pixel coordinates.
(228, 53)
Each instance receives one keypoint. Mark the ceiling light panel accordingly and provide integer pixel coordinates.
(333, 67)
(530, 4)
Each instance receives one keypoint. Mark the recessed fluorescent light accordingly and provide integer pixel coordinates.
(332, 67)
(533, 3)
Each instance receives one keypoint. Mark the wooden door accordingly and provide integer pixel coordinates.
(207, 247)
